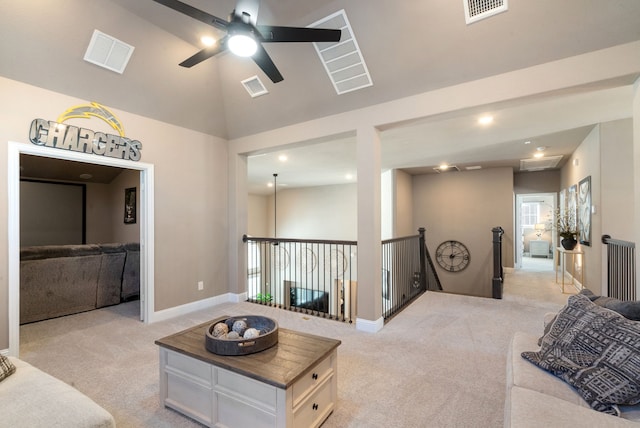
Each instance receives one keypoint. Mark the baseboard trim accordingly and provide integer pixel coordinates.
(198, 305)
(369, 326)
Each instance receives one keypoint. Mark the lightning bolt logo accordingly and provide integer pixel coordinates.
(86, 111)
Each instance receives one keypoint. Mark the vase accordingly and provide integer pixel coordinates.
(569, 243)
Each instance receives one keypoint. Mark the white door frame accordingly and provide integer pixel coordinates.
(518, 253)
(146, 216)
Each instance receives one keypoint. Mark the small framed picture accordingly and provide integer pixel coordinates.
(130, 205)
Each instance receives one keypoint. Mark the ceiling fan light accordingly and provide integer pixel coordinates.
(242, 45)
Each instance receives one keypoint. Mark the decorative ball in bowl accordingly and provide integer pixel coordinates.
(241, 335)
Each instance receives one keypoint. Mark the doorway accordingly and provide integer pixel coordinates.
(145, 215)
(535, 239)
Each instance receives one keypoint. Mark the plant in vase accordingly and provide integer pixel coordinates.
(566, 226)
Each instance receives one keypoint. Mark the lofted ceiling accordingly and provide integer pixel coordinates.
(410, 47)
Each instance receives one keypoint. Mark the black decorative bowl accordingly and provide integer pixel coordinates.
(268, 336)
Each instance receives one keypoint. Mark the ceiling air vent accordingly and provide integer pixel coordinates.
(108, 52)
(475, 10)
(254, 86)
(342, 60)
(537, 164)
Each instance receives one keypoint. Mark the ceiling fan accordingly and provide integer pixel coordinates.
(245, 38)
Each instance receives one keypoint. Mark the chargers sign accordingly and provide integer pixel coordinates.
(66, 137)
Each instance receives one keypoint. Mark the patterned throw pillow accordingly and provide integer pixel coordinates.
(6, 368)
(595, 350)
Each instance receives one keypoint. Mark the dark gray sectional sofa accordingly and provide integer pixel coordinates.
(57, 280)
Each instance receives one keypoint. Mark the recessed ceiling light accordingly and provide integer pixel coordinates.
(538, 155)
(485, 120)
(269, 184)
(283, 158)
(86, 176)
(527, 142)
(541, 148)
(444, 167)
(208, 40)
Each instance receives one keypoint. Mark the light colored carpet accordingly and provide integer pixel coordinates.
(439, 363)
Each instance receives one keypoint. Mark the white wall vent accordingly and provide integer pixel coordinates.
(475, 10)
(537, 164)
(342, 60)
(108, 52)
(254, 86)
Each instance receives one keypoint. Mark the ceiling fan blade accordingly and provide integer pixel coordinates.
(262, 58)
(248, 8)
(271, 34)
(195, 13)
(205, 53)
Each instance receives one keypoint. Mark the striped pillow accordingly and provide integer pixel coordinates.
(6, 368)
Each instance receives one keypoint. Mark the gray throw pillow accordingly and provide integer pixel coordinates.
(630, 310)
(595, 350)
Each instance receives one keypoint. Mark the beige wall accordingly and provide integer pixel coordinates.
(190, 183)
(320, 212)
(258, 216)
(607, 156)
(465, 206)
(585, 162)
(403, 205)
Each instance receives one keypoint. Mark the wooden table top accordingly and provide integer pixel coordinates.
(280, 366)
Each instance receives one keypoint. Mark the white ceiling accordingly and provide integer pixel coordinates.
(410, 47)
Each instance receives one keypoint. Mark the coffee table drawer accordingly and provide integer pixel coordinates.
(315, 409)
(312, 379)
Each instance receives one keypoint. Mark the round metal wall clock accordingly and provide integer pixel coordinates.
(453, 256)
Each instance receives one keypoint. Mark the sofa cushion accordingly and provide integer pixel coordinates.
(6, 368)
(595, 350)
(532, 409)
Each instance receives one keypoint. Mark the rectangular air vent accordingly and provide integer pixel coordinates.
(254, 86)
(538, 164)
(475, 10)
(108, 52)
(342, 60)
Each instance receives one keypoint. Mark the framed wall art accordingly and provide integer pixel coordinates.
(584, 211)
(572, 206)
(130, 205)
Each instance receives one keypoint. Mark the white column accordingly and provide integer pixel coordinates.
(636, 171)
(238, 224)
(369, 316)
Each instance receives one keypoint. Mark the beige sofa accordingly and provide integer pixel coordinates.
(537, 398)
(32, 398)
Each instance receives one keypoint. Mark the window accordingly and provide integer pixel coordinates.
(530, 212)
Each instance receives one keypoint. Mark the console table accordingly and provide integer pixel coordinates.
(562, 255)
(292, 384)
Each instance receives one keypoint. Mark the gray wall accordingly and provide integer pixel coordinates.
(46, 212)
(50, 213)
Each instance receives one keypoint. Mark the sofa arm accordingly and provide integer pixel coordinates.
(33, 398)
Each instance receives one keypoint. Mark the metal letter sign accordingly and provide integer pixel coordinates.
(68, 137)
